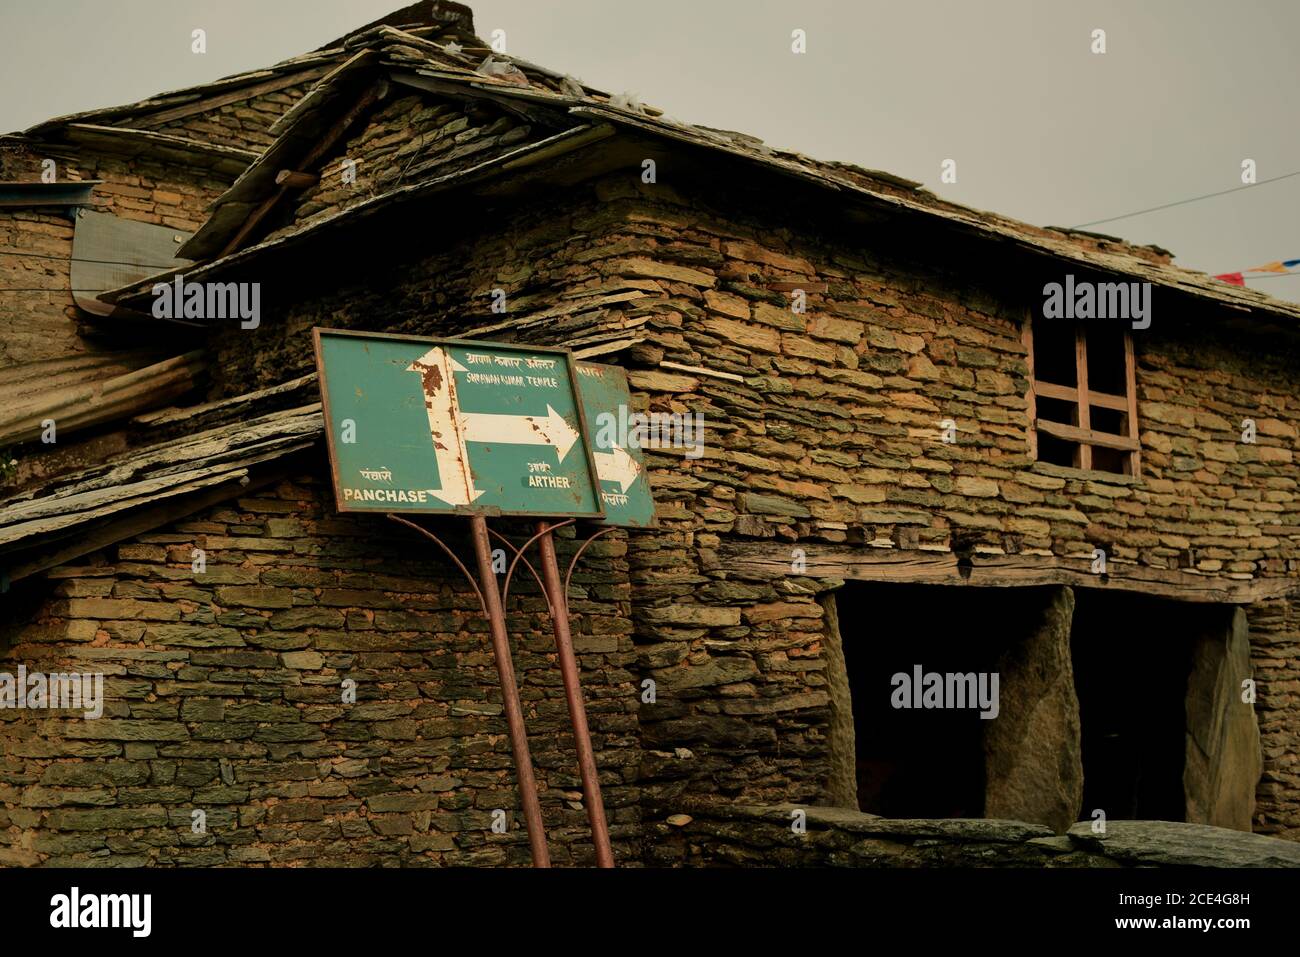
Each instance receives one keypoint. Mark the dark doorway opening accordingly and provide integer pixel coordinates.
(1156, 734)
(1132, 658)
(919, 762)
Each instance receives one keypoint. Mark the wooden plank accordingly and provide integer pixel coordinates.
(757, 560)
(457, 86)
(189, 413)
(319, 96)
(896, 565)
(1067, 394)
(1087, 437)
(1130, 379)
(146, 520)
(106, 136)
(101, 505)
(1084, 457)
(212, 447)
(702, 370)
(561, 143)
(19, 382)
(294, 179)
(607, 348)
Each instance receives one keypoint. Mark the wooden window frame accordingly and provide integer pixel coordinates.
(1083, 399)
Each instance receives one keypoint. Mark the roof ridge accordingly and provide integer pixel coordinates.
(423, 13)
(177, 97)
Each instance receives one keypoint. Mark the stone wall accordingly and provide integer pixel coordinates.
(409, 139)
(1275, 654)
(137, 188)
(832, 436)
(376, 282)
(758, 836)
(224, 694)
(823, 427)
(42, 322)
(245, 124)
(150, 192)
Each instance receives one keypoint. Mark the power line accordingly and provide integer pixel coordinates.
(1184, 202)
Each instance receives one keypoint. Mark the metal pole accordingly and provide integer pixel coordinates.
(573, 692)
(510, 694)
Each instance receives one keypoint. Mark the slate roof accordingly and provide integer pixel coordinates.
(448, 66)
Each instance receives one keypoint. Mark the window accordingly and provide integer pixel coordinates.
(1082, 397)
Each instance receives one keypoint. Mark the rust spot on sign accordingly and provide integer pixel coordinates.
(431, 376)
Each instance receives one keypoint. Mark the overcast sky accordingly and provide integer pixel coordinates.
(1041, 128)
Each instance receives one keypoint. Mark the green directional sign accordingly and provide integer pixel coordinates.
(620, 464)
(454, 426)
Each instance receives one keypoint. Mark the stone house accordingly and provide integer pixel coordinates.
(909, 468)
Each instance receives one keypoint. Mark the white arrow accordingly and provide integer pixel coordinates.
(550, 429)
(618, 466)
(436, 368)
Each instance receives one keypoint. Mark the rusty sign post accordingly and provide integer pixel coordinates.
(625, 494)
(465, 428)
(496, 616)
(490, 601)
(559, 603)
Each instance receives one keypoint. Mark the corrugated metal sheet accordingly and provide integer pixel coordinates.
(108, 252)
(92, 396)
(22, 382)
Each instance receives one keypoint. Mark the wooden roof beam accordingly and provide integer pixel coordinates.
(372, 95)
(294, 179)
